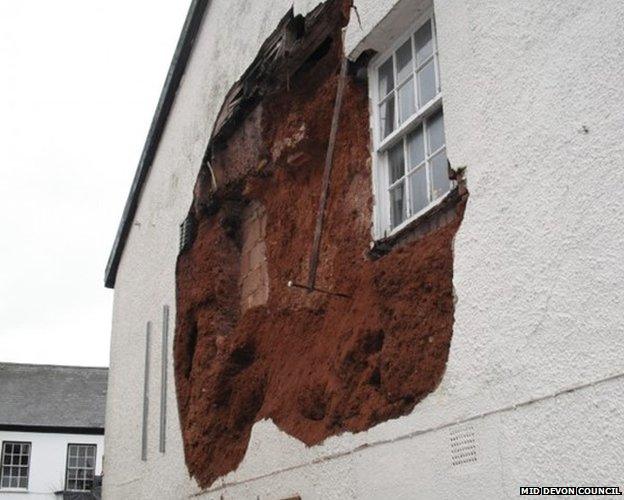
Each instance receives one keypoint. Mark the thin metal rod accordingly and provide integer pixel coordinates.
(146, 384)
(316, 245)
(163, 379)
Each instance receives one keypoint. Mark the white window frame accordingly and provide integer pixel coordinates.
(27, 466)
(69, 467)
(382, 226)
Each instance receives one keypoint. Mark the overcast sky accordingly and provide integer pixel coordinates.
(79, 82)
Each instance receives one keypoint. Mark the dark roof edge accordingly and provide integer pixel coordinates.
(52, 429)
(165, 102)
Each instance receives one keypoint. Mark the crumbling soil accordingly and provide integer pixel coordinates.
(316, 364)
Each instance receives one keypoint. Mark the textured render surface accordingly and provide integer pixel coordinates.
(539, 269)
(531, 99)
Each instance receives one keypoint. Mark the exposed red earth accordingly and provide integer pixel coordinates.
(317, 365)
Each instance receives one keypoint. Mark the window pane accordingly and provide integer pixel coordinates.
(407, 104)
(404, 61)
(6, 472)
(5, 481)
(91, 451)
(440, 182)
(14, 482)
(386, 117)
(396, 163)
(423, 43)
(24, 460)
(435, 132)
(386, 78)
(397, 205)
(415, 148)
(418, 190)
(426, 83)
(8, 447)
(23, 482)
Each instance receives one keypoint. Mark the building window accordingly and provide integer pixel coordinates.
(411, 170)
(80, 467)
(15, 464)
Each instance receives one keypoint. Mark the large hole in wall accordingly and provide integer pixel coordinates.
(317, 365)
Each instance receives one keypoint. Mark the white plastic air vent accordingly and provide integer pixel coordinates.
(463, 443)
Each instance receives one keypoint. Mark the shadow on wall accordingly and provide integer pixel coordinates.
(247, 347)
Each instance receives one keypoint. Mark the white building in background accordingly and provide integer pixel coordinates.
(51, 430)
(534, 385)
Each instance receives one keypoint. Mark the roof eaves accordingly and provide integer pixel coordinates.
(165, 102)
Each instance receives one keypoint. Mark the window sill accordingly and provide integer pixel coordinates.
(13, 490)
(74, 493)
(429, 219)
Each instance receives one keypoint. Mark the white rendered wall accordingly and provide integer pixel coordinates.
(48, 459)
(533, 96)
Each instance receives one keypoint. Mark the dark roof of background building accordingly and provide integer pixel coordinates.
(52, 396)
